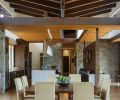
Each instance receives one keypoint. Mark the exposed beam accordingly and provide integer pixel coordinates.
(27, 13)
(45, 3)
(21, 7)
(91, 10)
(86, 2)
(32, 5)
(96, 13)
(62, 5)
(61, 21)
(81, 3)
(90, 6)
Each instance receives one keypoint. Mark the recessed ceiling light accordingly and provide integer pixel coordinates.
(1, 15)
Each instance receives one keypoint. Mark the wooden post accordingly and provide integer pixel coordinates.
(97, 67)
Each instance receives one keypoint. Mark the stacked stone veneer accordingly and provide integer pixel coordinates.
(109, 58)
(79, 56)
(55, 59)
(2, 61)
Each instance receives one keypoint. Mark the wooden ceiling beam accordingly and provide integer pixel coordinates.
(45, 3)
(86, 2)
(91, 10)
(27, 13)
(31, 10)
(96, 13)
(88, 7)
(36, 6)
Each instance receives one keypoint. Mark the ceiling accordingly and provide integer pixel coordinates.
(38, 33)
(62, 8)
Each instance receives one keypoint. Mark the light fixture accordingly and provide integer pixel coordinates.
(1, 15)
(79, 33)
(49, 33)
(49, 51)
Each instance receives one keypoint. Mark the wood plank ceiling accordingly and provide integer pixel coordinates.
(38, 33)
(62, 8)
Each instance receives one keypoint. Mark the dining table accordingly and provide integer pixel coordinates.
(58, 90)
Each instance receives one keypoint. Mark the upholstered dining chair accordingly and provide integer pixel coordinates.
(83, 91)
(75, 78)
(19, 90)
(26, 85)
(105, 92)
(105, 89)
(45, 91)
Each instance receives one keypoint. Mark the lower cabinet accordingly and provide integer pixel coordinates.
(13, 75)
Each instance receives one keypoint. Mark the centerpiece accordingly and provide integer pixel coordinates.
(63, 80)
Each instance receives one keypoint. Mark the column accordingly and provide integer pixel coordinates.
(2, 61)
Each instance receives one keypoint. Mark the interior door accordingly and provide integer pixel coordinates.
(66, 65)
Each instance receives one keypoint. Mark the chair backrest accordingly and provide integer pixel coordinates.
(75, 78)
(45, 91)
(25, 81)
(53, 78)
(105, 95)
(83, 91)
(19, 88)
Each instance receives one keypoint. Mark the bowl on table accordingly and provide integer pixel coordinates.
(63, 80)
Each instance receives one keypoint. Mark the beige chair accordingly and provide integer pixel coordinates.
(45, 91)
(105, 89)
(75, 78)
(83, 91)
(19, 90)
(52, 78)
(26, 85)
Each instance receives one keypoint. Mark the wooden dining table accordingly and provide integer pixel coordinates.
(58, 89)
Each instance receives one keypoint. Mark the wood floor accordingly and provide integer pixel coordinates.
(11, 95)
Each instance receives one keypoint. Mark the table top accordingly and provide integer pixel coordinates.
(58, 89)
(64, 89)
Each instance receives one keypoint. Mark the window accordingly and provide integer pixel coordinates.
(11, 57)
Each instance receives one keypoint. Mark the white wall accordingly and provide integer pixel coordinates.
(36, 49)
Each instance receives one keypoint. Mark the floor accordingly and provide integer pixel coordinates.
(11, 95)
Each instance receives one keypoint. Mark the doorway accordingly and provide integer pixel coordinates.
(68, 62)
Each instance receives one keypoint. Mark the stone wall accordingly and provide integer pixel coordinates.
(2, 61)
(79, 56)
(55, 59)
(109, 58)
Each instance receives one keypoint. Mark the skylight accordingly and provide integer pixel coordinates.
(79, 33)
(111, 34)
(11, 35)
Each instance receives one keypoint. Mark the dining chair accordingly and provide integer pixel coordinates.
(52, 78)
(45, 91)
(75, 78)
(19, 90)
(83, 91)
(105, 89)
(26, 85)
